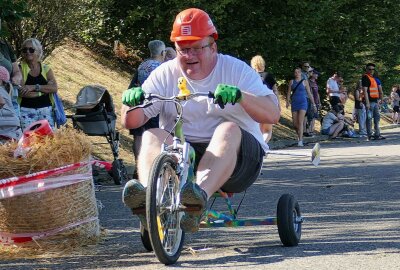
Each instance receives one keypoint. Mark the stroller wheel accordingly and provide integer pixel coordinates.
(119, 173)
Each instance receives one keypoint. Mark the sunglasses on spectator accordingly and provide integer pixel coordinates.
(30, 50)
(371, 69)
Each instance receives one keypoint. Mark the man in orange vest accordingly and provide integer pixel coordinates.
(372, 95)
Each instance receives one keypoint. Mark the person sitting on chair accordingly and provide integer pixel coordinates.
(228, 142)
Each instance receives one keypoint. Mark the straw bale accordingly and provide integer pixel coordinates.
(66, 146)
(52, 209)
(48, 210)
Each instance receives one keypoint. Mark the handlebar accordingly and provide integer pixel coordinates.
(150, 99)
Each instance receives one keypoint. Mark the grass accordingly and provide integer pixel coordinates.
(76, 66)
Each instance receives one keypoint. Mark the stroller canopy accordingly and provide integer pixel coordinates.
(89, 96)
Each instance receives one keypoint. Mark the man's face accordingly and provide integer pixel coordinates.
(197, 58)
(370, 70)
(305, 67)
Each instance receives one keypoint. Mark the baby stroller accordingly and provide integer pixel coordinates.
(95, 116)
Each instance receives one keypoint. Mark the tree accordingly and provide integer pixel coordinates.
(52, 24)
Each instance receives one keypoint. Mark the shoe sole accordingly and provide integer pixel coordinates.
(136, 199)
(192, 202)
(190, 223)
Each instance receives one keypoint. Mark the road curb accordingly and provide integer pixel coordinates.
(317, 138)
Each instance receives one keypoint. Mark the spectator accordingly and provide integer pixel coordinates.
(258, 64)
(9, 125)
(157, 56)
(343, 96)
(359, 108)
(228, 143)
(332, 88)
(38, 83)
(372, 94)
(314, 90)
(394, 96)
(170, 54)
(332, 123)
(306, 72)
(9, 61)
(348, 130)
(385, 107)
(297, 93)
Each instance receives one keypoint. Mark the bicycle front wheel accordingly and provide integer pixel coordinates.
(162, 212)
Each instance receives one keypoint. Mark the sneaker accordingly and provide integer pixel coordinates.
(300, 143)
(192, 196)
(379, 138)
(134, 196)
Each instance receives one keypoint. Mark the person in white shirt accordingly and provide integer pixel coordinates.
(332, 88)
(228, 142)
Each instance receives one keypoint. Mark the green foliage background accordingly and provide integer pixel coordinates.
(331, 34)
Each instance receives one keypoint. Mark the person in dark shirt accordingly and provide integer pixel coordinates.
(38, 83)
(157, 56)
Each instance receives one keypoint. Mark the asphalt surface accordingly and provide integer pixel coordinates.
(351, 206)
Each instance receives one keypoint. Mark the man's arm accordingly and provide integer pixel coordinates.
(133, 119)
(366, 96)
(380, 92)
(263, 109)
(328, 87)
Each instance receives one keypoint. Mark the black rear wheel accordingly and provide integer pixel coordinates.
(163, 216)
(289, 220)
(144, 236)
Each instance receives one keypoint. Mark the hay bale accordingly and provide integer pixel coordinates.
(65, 146)
(57, 218)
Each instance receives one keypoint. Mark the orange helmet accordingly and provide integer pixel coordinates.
(192, 24)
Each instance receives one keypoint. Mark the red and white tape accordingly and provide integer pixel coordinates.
(19, 238)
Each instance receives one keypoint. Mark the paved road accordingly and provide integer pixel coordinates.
(351, 205)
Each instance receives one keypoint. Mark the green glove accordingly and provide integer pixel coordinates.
(133, 97)
(227, 94)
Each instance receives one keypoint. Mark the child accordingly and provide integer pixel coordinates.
(9, 123)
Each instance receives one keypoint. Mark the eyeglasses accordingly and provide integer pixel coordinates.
(30, 50)
(193, 51)
(306, 66)
(371, 69)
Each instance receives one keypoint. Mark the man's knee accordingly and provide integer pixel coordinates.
(228, 129)
(153, 135)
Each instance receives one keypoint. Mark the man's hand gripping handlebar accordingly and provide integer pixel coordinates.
(136, 97)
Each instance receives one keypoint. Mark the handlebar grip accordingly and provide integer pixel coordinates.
(218, 100)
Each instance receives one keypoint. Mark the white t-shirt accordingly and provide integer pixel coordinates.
(200, 121)
(333, 85)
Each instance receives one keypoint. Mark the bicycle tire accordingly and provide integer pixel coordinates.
(166, 236)
(288, 213)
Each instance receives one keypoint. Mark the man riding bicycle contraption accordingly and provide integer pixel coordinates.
(224, 132)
